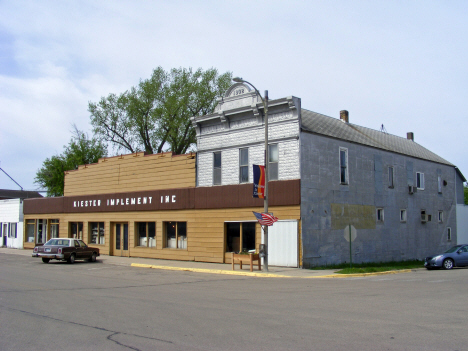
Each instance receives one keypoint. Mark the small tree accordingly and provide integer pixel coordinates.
(80, 150)
(465, 190)
(155, 115)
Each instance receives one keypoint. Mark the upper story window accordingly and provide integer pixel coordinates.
(420, 180)
(380, 215)
(243, 165)
(390, 177)
(217, 168)
(439, 184)
(403, 215)
(273, 157)
(344, 166)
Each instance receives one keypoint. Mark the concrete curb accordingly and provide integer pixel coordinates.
(263, 275)
(212, 271)
(362, 274)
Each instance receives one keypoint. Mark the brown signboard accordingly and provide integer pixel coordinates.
(282, 193)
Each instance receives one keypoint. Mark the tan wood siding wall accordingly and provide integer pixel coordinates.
(205, 230)
(134, 172)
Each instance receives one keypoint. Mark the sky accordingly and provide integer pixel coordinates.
(397, 63)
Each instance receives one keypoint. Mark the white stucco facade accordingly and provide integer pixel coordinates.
(11, 216)
(242, 127)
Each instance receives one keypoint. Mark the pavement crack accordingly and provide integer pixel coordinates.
(112, 332)
(119, 343)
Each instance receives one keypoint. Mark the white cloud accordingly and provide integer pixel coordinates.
(392, 63)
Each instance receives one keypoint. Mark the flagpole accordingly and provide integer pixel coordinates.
(265, 198)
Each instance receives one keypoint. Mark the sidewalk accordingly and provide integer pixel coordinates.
(212, 268)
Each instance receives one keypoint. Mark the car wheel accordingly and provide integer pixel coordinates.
(448, 263)
(71, 259)
(45, 260)
(92, 258)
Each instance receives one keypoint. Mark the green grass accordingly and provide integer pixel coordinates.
(372, 267)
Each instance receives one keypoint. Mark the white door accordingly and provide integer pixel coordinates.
(282, 244)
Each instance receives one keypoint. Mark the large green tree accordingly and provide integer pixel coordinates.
(80, 150)
(155, 115)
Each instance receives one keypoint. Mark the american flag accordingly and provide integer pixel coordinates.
(265, 218)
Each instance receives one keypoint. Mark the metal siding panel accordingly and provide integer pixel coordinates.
(282, 244)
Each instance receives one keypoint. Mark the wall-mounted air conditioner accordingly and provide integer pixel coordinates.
(412, 189)
(424, 217)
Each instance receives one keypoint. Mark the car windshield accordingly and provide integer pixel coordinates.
(58, 242)
(453, 249)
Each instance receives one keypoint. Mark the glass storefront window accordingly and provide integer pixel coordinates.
(30, 228)
(240, 236)
(146, 232)
(54, 228)
(97, 233)
(41, 234)
(76, 230)
(175, 235)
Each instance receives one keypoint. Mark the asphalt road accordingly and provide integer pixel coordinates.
(100, 306)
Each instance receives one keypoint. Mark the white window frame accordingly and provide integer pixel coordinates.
(274, 162)
(12, 230)
(420, 180)
(217, 169)
(379, 218)
(440, 216)
(403, 215)
(346, 173)
(242, 166)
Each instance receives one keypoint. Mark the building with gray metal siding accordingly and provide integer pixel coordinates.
(399, 196)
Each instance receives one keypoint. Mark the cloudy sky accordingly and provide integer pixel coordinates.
(397, 63)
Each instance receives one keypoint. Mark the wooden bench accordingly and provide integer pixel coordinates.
(250, 258)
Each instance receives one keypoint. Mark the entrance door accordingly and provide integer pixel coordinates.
(5, 234)
(121, 239)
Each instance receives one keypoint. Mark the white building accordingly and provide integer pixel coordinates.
(11, 217)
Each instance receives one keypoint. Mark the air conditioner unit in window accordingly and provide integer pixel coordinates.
(412, 189)
(424, 218)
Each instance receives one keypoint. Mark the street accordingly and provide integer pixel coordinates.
(100, 306)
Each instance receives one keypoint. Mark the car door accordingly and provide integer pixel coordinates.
(78, 249)
(86, 252)
(462, 256)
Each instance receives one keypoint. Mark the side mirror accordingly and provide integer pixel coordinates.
(459, 251)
